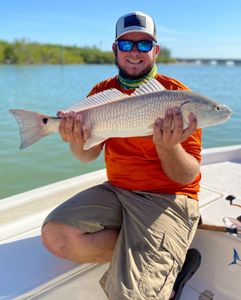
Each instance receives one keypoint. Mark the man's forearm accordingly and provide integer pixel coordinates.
(178, 165)
(85, 155)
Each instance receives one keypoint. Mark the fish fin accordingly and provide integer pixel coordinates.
(99, 99)
(92, 141)
(149, 86)
(31, 126)
(186, 108)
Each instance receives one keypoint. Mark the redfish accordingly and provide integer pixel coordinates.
(113, 114)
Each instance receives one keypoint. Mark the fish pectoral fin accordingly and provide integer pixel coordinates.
(92, 141)
(186, 108)
(149, 86)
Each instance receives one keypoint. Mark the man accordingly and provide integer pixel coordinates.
(144, 218)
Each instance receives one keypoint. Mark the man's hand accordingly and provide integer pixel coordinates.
(72, 130)
(168, 132)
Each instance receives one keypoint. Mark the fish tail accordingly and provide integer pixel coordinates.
(32, 126)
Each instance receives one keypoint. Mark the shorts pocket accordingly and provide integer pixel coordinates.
(175, 248)
(160, 272)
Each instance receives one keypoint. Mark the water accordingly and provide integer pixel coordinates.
(49, 88)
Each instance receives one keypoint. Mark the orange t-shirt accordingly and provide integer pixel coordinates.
(133, 164)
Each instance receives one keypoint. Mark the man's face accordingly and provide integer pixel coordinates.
(135, 64)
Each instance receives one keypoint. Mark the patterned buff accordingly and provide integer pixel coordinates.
(129, 84)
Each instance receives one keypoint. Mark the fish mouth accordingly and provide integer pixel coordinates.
(228, 110)
(225, 117)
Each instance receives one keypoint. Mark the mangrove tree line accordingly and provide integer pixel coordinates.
(25, 52)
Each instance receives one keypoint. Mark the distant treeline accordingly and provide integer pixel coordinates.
(25, 52)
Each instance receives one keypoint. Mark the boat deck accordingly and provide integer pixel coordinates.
(216, 277)
(28, 271)
(220, 180)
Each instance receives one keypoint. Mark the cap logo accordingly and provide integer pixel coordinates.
(134, 20)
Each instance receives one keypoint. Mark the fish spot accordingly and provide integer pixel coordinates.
(45, 120)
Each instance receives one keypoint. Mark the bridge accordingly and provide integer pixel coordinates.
(210, 61)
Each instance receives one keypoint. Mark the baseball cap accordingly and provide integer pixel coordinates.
(135, 21)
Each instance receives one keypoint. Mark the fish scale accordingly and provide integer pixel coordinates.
(143, 111)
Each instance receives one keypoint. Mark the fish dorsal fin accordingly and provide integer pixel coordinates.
(99, 99)
(149, 86)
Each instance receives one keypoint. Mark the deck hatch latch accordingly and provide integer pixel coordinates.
(206, 295)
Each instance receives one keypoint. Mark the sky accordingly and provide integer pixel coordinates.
(188, 28)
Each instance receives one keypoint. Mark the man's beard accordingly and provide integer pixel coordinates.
(124, 74)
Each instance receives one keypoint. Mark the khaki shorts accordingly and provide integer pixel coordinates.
(155, 232)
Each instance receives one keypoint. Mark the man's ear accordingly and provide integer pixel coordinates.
(157, 50)
(114, 48)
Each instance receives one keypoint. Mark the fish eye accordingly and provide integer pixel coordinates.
(217, 108)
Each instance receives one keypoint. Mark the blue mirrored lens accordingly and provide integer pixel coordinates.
(125, 45)
(142, 46)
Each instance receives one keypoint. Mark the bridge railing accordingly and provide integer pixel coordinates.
(210, 61)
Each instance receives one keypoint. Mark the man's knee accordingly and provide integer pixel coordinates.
(56, 238)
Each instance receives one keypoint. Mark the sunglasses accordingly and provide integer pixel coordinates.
(142, 46)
